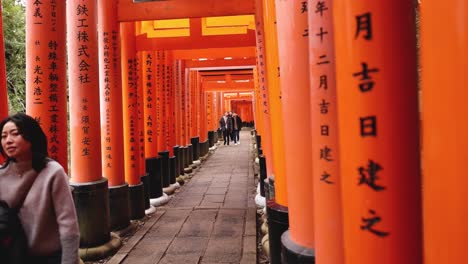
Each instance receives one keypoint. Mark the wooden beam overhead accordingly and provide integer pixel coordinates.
(219, 63)
(215, 53)
(195, 42)
(228, 86)
(151, 10)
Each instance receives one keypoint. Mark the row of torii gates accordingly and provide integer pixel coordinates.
(335, 101)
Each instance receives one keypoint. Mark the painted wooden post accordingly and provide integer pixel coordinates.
(378, 130)
(130, 101)
(325, 157)
(263, 103)
(3, 79)
(46, 80)
(444, 138)
(85, 136)
(277, 206)
(110, 85)
(275, 101)
(295, 95)
(151, 72)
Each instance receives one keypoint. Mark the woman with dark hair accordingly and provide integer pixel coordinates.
(48, 213)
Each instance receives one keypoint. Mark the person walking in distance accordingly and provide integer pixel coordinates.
(47, 214)
(237, 125)
(222, 126)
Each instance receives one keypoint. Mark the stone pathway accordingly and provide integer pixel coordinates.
(211, 219)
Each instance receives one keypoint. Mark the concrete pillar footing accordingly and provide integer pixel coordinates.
(150, 210)
(164, 199)
(102, 251)
(127, 230)
(170, 190)
(260, 201)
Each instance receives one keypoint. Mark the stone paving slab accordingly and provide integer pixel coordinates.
(210, 219)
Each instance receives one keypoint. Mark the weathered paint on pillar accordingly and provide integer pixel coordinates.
(378, 130)
(325, 156)
(202, 114)
(193, 104)
(130, 104)
(208, 97)
(149, 90)
(141, 115)
(111, 94)
(160, 101)
(169, 102)
(3, 79)
(185, 107)
(177, 102)
(259, 116)
(275, 101)
(294, 70)
(263, 101)
(172, 106)
(46, 79)
(85, 136)
(444, 91)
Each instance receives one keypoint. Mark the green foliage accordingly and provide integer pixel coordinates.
(14, 30)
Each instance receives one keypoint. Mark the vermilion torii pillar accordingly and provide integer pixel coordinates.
(46, 80)
(263, 111)
(90, 188)
(131, 135)
(444, 38)
(194, 120)
(325, 158)
(110, 84)
(277, 206)
(150, 73)
(3, 84)
(293, 45)
(378, 130)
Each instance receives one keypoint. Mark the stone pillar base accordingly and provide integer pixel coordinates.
(92, 207)
(119, 207)
(294, 253)
(278, 223)
(146, 190)
(137, 201)
(102, 251)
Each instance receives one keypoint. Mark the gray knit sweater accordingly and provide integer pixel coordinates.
(48, 213)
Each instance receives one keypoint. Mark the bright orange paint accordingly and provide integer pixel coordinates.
(130, 104)
(193, 104)
(275, 101)
(378, 131)
(160, 101)
(263, 102)
(110, 83)
(444, 38)
(83, 64)
(130, 11)
(3, 85)
(324, 128)
(295, 99)
(46, 79)
(147, 65)
(171, 103)
(141, 114)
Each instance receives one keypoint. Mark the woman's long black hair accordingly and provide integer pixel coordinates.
(31, 131)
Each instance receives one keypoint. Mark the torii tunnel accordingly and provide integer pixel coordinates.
(358, 109)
